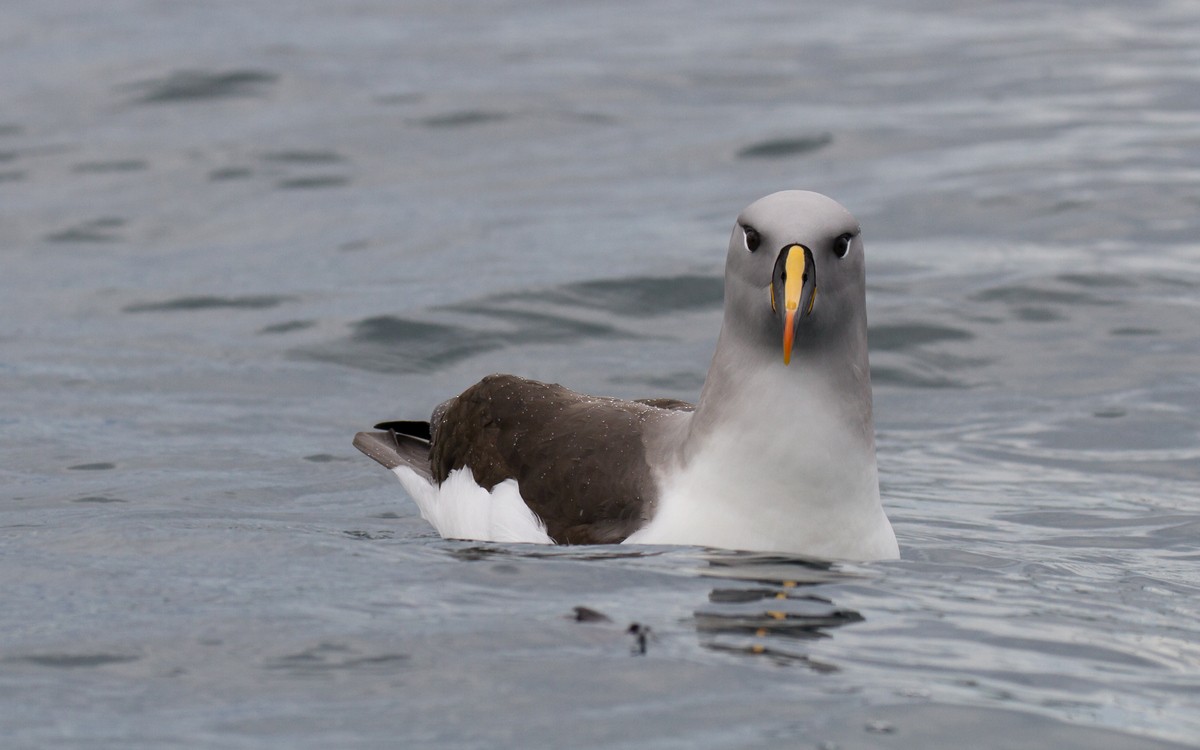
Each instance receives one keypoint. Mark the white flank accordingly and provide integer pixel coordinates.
(461, 509)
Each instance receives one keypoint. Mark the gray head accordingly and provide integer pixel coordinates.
(795, 277)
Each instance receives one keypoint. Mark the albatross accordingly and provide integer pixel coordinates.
(777, 455)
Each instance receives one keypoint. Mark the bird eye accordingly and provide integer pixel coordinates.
(750, 235)
(841, 245)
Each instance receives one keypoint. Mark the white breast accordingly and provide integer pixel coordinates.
(765, 480)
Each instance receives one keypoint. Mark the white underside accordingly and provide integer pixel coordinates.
(772, 482)
(702, 507)
(461, 509)
(713, 504)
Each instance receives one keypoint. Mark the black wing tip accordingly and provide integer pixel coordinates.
(410, 427)
(391, 449)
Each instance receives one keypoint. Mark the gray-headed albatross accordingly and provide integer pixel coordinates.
(778, 454)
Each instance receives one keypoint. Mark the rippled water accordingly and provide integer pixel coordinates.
(234, 235)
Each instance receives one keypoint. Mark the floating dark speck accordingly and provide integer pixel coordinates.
(641, 637)
(587, 614)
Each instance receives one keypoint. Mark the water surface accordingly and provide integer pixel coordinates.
(233, 236)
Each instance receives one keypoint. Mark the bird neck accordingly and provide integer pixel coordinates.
(779, 458)
(822, 397)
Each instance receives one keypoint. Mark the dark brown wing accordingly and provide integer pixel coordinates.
(579, 461)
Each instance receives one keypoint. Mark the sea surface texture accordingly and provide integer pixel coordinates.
(233, 234)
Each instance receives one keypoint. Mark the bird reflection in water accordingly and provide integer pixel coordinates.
(768, 606)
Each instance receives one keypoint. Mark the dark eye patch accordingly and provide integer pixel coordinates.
(841, 245)
(752, 238)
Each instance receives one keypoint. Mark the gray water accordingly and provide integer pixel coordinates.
(235, 234)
